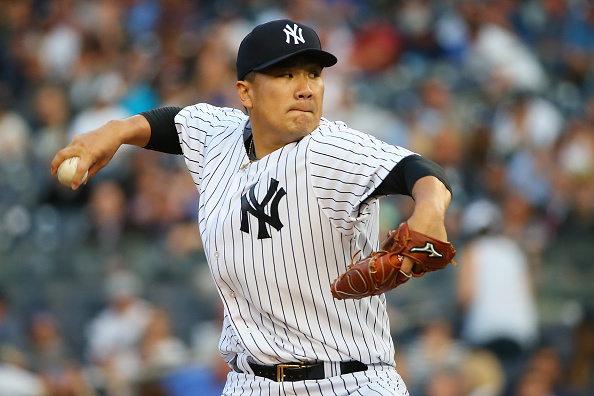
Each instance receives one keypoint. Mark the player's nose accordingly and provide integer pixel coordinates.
(303, 89)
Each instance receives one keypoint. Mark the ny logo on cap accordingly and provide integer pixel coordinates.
(296, 32)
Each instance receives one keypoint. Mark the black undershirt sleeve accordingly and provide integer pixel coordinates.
(405, 174)
(163, 133)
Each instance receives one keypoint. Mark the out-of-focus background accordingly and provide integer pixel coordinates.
(106, 291)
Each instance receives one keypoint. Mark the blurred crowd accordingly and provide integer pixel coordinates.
(106, 291)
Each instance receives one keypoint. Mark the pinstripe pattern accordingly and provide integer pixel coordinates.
(276, 290)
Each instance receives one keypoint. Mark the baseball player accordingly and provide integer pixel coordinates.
(287, 198)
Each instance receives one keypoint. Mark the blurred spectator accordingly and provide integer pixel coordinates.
(447, 381)
(483, 374)
(10, 328)
(114, 334)
(524, 132)
(19, 54)
(581, 367)
(495, 289)
(109, 215)
(161, 351)
(60, 44)
(93, 82)
(52, 359)
(414, 18)
(14, 130)
(208, 371)
(140, 68)
(15, 377)
(380, 122)
(377, 46)
(210, 378)
(525, 122)
(525, 224)
(106, 90)
(533, 383)
(143, 17)
(149, 199)
(576, 149)
(576, 175)
(46, 348)
(547, 361)
(162, 355)
(495, 54)
(53, 115)
(213, 74)
(578, 38)
(430, 355)
(436, 124)
(549, 20)
(163, 193)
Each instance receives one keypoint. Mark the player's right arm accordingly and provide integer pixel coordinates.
(97, 147)
(154, 129)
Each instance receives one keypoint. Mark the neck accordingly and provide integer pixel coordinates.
(264, 143)
(261, 147)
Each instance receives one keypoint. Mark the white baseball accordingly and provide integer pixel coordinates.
(67, 169)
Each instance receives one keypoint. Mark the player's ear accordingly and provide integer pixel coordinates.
(244, 93)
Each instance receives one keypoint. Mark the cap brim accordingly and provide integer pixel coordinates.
(324, 59)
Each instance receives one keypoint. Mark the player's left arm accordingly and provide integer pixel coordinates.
(417, 246)
(426, 182)
(432, 199)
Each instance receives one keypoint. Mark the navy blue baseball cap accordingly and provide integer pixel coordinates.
(275, 41)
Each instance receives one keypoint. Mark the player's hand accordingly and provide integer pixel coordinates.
(95, 149)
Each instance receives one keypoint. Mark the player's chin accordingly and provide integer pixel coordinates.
(305, 122)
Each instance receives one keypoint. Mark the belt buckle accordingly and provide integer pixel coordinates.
(280, 370)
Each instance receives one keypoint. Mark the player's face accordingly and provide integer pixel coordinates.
(285, 101)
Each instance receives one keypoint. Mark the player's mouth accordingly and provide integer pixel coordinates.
(303, 110)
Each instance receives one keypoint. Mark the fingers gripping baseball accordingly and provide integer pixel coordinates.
(94, 150)
(381, 270)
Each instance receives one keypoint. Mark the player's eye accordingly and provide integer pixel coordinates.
(284, 74)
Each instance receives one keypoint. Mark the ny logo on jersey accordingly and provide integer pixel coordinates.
(252, 206)
(429, 248)
(296, 32)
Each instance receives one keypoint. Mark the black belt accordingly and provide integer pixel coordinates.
(302, 371)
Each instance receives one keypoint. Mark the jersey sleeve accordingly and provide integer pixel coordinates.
(197, 126)
(346, 167)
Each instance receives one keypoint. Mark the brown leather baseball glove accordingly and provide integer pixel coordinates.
(380, 271)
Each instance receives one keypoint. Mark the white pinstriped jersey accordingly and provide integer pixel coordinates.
(278, 232)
